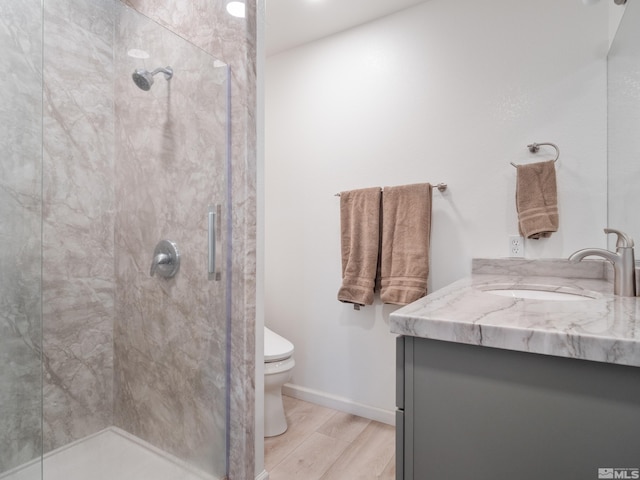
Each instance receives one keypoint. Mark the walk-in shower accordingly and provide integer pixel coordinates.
(144, 78)
(103, 366)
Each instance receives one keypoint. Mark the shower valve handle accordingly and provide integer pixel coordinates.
(160, 259)
(166, 259)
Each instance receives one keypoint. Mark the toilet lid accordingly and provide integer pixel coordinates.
(276, 347)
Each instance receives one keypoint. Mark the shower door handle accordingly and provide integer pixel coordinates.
(214, 218)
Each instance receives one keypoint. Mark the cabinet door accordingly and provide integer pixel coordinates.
(484, 413)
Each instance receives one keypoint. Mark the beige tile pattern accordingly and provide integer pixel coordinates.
(233, 40)
(169, 334)
(324, 444)
(78, 197)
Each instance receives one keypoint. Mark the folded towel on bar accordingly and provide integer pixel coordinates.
(537, 199)
(360, 239)
(406, 231)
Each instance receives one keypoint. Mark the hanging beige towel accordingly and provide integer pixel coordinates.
(360, 238)
(406, 230)
(537, 199)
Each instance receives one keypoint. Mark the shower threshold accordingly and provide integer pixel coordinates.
(111, 454)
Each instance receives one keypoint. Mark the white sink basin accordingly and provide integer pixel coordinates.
(537, 294)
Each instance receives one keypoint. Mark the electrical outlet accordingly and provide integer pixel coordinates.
(516, 246)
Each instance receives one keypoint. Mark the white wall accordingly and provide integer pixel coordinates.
(444, 92)
(615, 17)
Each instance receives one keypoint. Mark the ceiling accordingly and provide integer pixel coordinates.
(290, 23)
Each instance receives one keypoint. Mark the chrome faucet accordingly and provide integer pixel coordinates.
(624, 283)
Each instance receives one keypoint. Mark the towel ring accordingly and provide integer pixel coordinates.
(534, 147)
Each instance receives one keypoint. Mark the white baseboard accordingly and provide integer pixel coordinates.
(339, 403)
(262, 475)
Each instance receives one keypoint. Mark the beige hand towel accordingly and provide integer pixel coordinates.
(537, 199)
(406, 230)
(360, 239)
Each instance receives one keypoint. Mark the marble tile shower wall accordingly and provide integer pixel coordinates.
(78, 219)
(170, 334)
(20, 231)
(206, 24)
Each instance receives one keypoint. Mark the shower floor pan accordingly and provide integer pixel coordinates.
(111, 454)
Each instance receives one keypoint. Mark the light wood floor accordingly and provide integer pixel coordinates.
(324, 444)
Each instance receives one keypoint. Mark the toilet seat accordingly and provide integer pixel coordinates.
(276, 348)
(272, 368)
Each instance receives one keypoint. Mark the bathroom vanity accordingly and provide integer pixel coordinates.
(511, 387)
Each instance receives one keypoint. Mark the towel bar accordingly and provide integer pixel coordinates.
(534, 147)
(440, 186)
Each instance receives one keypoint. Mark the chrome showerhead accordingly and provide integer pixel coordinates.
(144, 78)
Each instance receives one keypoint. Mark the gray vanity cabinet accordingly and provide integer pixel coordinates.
(472, 412)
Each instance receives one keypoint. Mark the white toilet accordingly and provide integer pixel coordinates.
(278, 363)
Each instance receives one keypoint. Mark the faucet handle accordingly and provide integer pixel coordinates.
(624, 240)
(166, 259)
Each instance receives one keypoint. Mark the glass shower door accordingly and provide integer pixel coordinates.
(20, 237)
(95, 173)
(171, 170)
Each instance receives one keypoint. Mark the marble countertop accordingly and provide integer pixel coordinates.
(602, 328)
